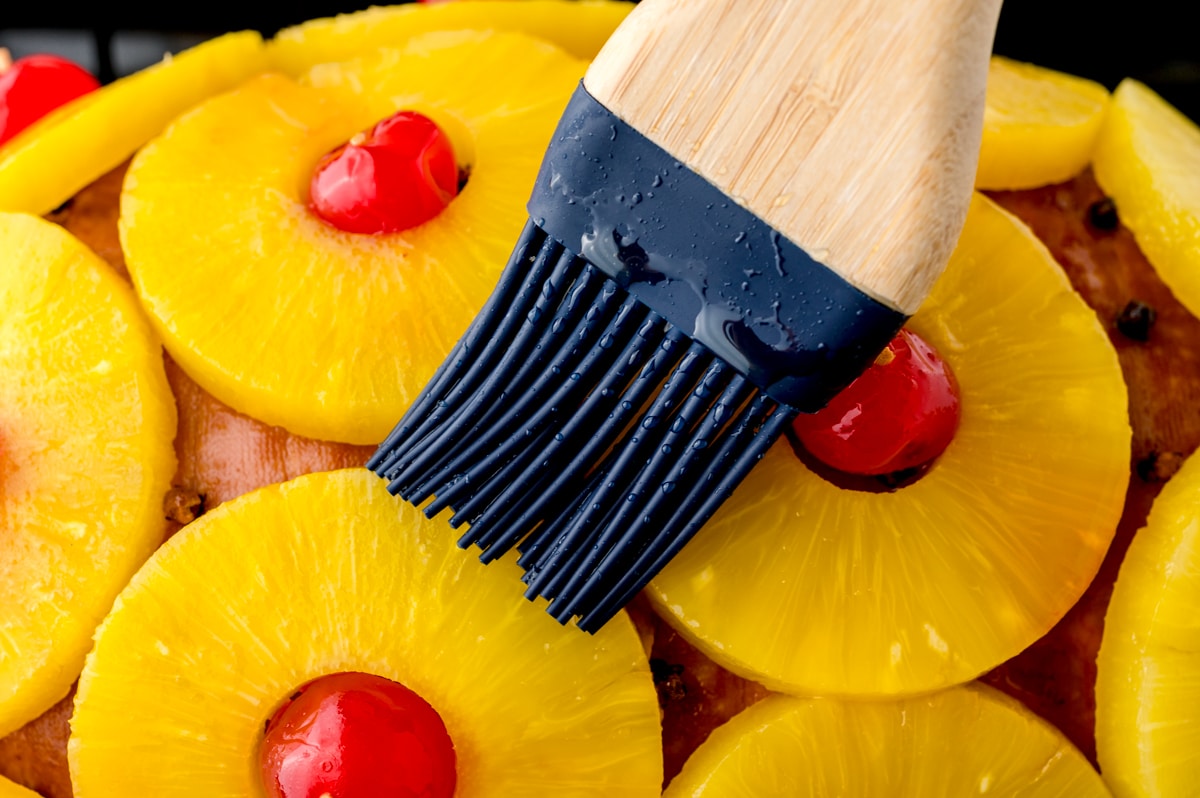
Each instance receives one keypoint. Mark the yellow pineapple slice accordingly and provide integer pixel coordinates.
(969, 740)
(86, 428)
(48, 162)
(1148, 670)
(10, 790)
(578, 26)
(290, 320)
(808, 587)
(1148, 160)
(1039, 126)
(329, 573)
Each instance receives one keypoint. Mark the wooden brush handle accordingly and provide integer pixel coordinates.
(850, 126)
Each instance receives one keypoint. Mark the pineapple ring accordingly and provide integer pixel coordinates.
(289, 320)
(578, 26)
(86, 428)
(1039, 126)
(1147, 159)
(1148, 669)
(333, 574)
(933, 584)
(49, 162)
(970, 740)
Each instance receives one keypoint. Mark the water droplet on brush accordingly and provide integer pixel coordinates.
(650, 422)
(657, 181)
(667, 487)
(678, 425)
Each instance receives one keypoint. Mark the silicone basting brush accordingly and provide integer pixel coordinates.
(743, 202)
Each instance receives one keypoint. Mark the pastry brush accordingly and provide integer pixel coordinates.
(743, 202)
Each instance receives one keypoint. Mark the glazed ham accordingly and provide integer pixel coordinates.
(223, 454)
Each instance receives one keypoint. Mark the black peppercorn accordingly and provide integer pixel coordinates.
(1135, 320)
(1103, 215)
(668, 678)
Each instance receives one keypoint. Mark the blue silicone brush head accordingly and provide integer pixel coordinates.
(647, 342)
(742, 202)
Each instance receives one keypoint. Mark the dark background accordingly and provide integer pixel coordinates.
(1154, 41)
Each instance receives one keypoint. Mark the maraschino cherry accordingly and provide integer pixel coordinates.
(396, 175)
(35, 85)
(356, 735)
(901, 413)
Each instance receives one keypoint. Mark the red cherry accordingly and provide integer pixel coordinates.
(35, 85)
(397, 175)
(901, 413)
(355, 735)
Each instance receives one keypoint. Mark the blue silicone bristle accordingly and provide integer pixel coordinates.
(566, 437)
(645, 345)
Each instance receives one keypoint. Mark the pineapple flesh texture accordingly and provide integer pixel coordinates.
(968, 740)
(329, 573)
(1148, 160)
(1148, 670)
(86, 428)
(814, 589)
(578, 26)
(1039, 126)
(298, 324)
(46, 164)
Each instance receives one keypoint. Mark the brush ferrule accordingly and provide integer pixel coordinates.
(794, 327)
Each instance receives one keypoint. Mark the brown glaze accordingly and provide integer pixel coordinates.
(223, 454)
(36, 754)
(91, 216)
(696, 695)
